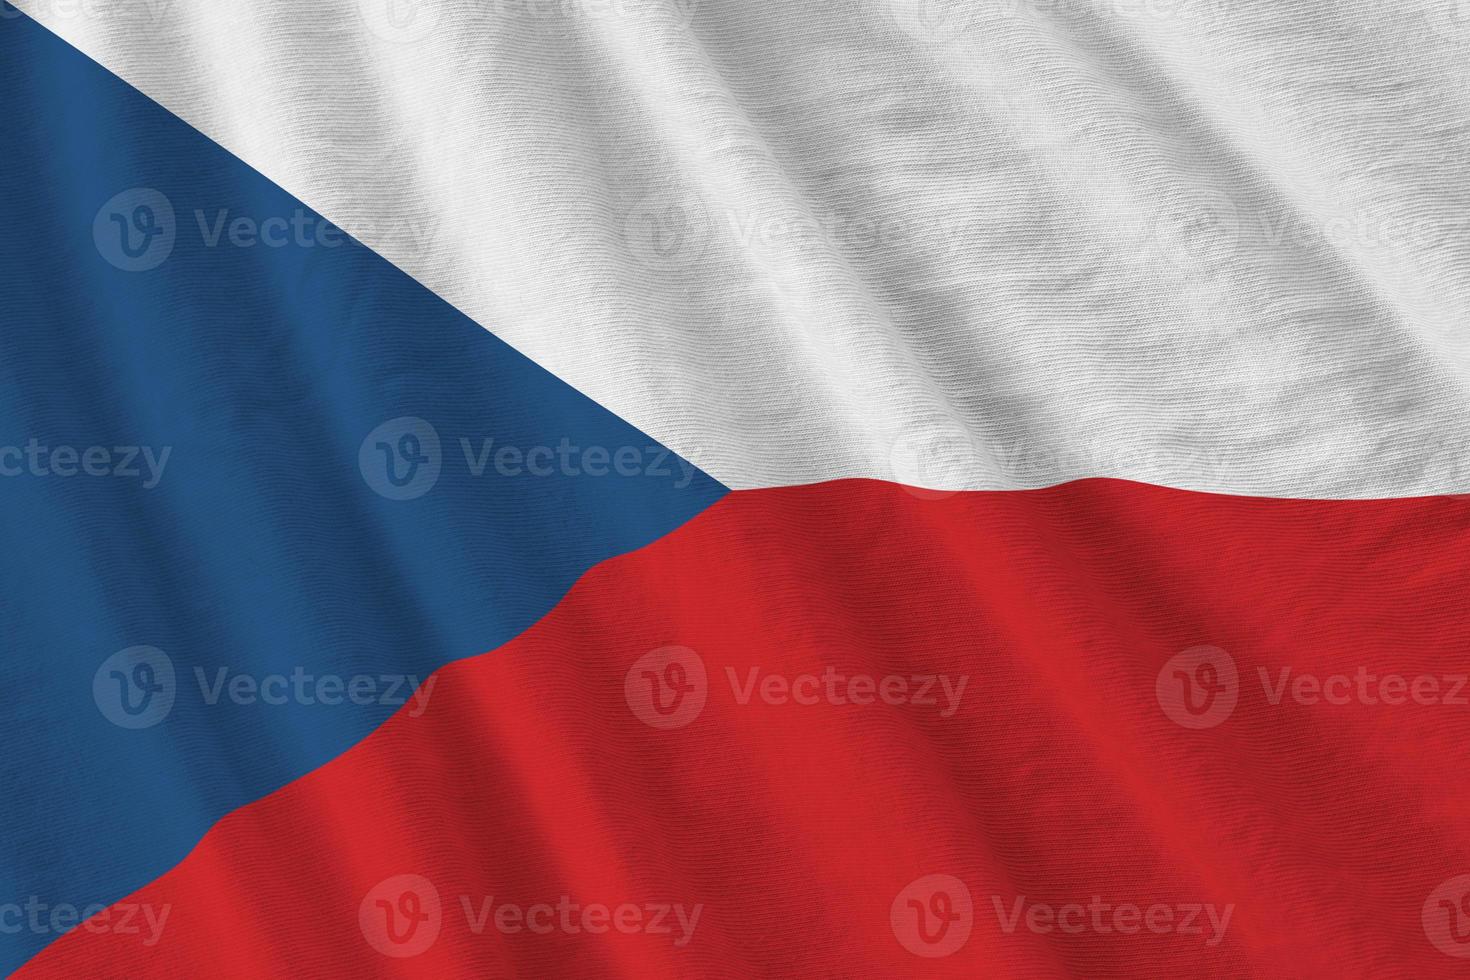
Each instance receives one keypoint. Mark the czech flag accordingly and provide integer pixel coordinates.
(735, 488)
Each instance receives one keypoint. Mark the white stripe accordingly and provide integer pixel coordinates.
(1216, 244)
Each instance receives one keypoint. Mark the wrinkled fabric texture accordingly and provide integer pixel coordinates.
(958, 307)
(1027, 759)
(1214, 244)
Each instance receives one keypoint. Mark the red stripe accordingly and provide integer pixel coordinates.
(796, 828)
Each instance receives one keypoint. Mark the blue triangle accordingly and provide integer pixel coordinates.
(318, 514)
